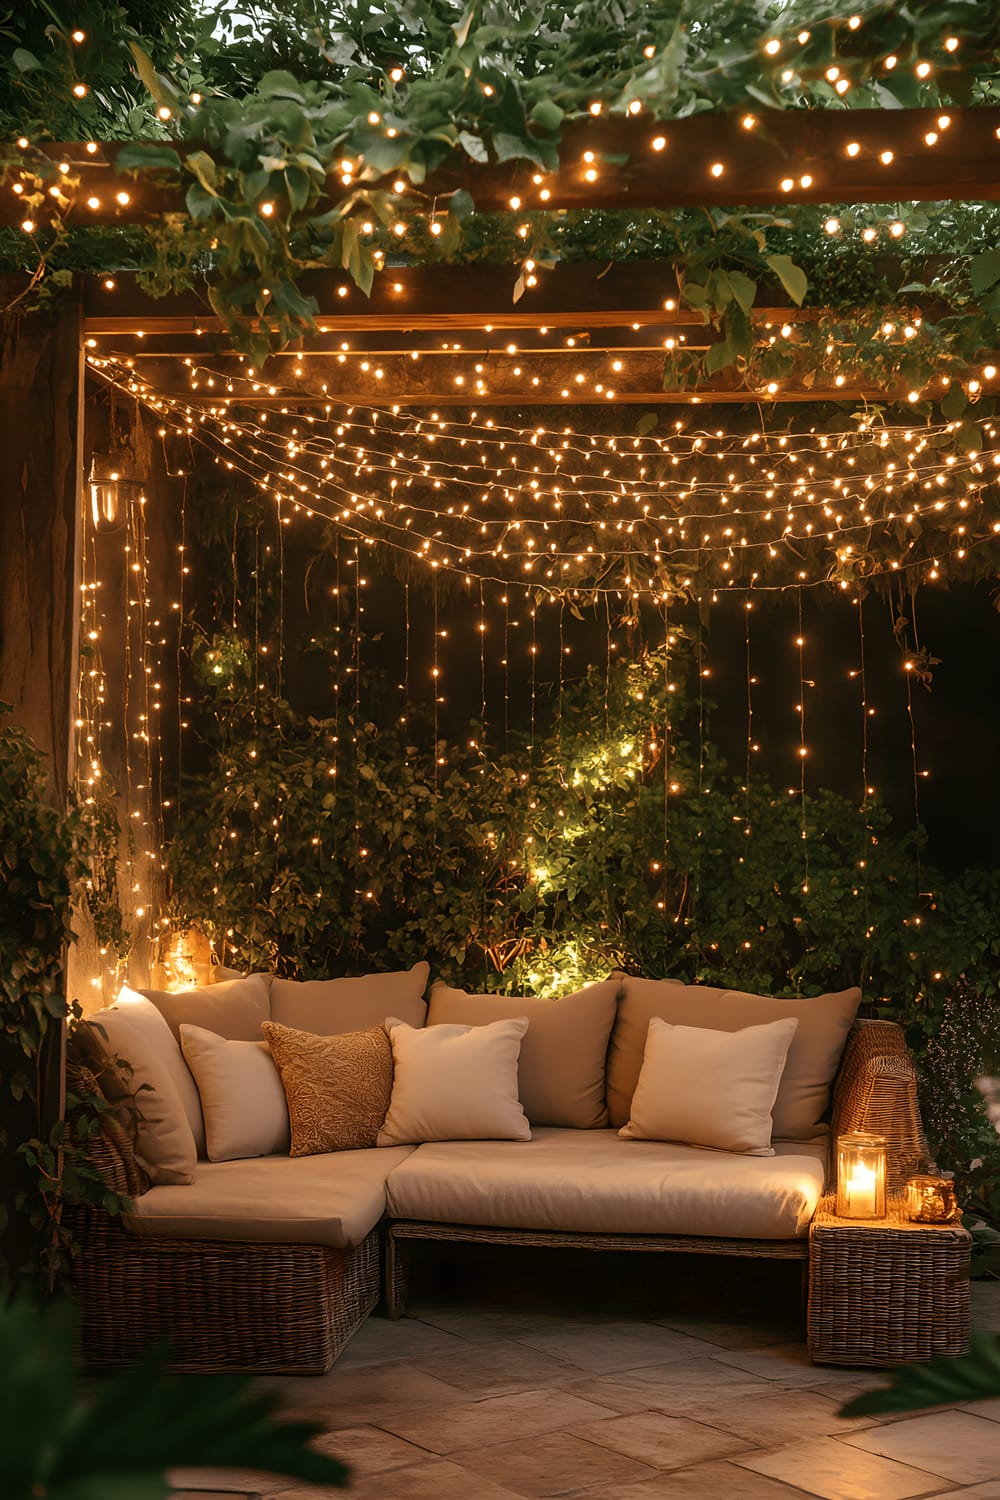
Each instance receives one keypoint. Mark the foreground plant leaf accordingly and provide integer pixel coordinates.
(939, 1382)
(117, 1441)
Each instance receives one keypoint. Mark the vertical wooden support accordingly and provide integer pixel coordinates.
(40, 410)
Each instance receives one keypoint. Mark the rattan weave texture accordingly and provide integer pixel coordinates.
(221, 1305)
(886, 1292)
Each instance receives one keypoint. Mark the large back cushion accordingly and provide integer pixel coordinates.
(169, 1130)
(813, 1057)
(233, 1008)
(329, 1007)
(563, 1053)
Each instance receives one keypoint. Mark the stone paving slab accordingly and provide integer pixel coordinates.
(469, 1399)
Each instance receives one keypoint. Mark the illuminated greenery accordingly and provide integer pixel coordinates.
(275, 101)
(330, 845)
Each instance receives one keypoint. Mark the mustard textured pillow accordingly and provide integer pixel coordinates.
(337, 1087)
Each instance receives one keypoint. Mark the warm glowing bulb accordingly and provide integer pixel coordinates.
(81, 36)
(773, 47)
(163, 113)
(896, 229)
(869, 234)
(852, 148)
(787, 183)
(28, 226)
(267, 209)
(832, 226)
(123, 198)
(659, 142)
(717, 168)
(923, 70)
(748, 122)
(885, 157)
(80, 90)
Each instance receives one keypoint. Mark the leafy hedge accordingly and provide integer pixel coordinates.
(323, 846)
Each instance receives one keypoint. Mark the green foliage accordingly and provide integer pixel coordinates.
(42, 857)
(116, 1441)
(939, 1382)
(331, 845)
(266, 103)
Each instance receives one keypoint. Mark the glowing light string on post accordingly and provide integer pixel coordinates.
(803, 750)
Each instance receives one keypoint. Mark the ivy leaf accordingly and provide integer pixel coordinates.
(201, 165)
(791, 276)
(461, 205)
(719, 357)
(744, 289)
(162, 92)
(463, 27)
(547, 115)
(473, 146)
(953, 402)
(23, 60)
(138, 154)
(297, 185)
(984, 271)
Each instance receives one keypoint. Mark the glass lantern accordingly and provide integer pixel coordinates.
(861, 1176)
(112, 485)
(930, 1199)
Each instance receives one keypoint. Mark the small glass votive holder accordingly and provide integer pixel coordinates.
(930, 1199)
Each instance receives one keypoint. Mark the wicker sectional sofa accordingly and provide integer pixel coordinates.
(271, 1263)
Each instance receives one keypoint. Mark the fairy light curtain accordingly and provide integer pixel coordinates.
(511, 541)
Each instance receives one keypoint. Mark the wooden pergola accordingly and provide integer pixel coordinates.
(428, 328)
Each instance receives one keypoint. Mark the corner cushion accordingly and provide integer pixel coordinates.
(591, 1181)
(333, 1200)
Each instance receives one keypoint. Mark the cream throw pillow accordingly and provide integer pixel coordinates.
(710, 1088)
(455, 1083)
(561, 1067)
(166, 1099)
(242, 1098)
(804, 1091)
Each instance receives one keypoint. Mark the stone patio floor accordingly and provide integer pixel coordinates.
(518, 1378)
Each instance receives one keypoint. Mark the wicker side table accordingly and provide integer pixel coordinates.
(886, 1292)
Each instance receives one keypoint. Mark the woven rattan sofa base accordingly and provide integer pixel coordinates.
(886, 1293)
(403, 1231)
(222, 1305)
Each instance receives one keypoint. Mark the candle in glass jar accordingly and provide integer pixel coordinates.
(861, 1192)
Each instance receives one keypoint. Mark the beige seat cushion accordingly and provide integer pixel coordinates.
(305, 1200)
(330, 1006)
(337, 1087)
(710, 1088)
(810, 1068)
(563, 1054)
(170, 1131)
(233, 1008)
(242, 1100)
(595, 1182)
(455, 1083)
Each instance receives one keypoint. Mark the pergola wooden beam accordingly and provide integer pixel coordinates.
(709, 160)
(556, 377)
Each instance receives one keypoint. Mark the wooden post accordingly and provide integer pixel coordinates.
(40, 421)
